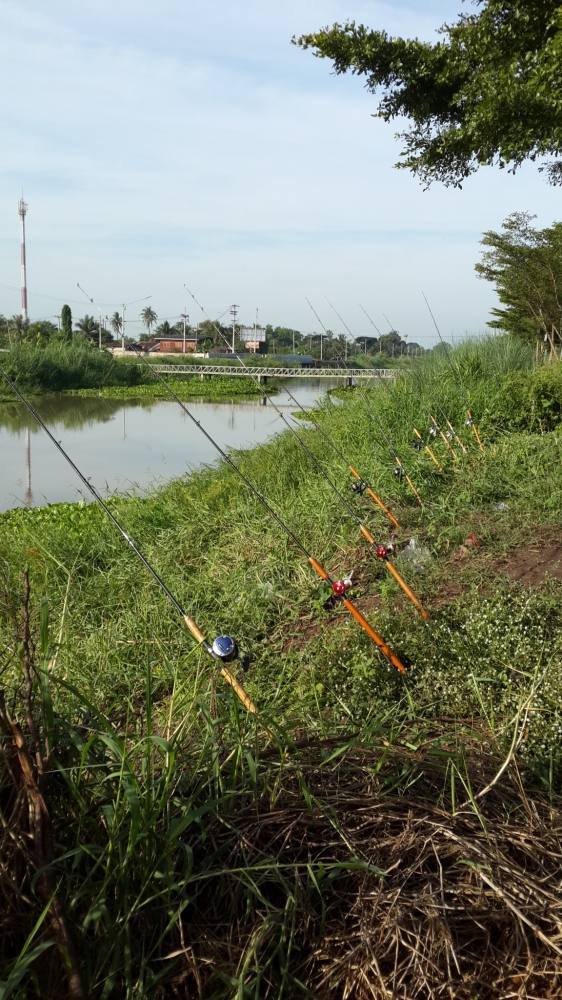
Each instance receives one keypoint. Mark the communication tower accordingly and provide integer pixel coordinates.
(22, 211)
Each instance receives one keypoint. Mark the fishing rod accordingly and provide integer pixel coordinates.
(339, 587)
(382, 552)
(399, 471)
(361, 486)
(223, 649)
(433, 426)
(469, 422)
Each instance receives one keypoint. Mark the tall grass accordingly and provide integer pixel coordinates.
(200, 852)
(60, 365)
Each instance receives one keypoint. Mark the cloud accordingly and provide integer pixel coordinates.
(193, 139)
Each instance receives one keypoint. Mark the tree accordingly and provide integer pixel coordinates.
(148, 317)
(116, 322)
(66, 322)
(525, 265)
(165, 330)
(88, 326)
(489, 91)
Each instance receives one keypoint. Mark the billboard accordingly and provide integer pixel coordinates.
(252, 334)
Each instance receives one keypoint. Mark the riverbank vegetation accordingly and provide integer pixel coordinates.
(367, 833)
(82, 369)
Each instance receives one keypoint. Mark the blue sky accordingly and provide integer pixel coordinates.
(191, 142)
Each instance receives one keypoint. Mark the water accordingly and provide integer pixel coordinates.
(125, 446)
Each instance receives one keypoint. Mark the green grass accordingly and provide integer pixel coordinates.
(159, 782)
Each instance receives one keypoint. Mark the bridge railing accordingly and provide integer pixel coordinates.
(269, 372)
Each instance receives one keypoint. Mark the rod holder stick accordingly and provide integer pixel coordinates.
(355, 613)
(376, 499)
(391, 568)
(224, 672)
(429, 451)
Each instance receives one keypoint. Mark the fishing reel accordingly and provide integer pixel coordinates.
(469, 422)
(339, 587)
(449, 435)
(417, 444)
(225, 649)
(398, 472)
(434, 430)
(360, 487)
(384, 551)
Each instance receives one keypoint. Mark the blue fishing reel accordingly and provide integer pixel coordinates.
(225, 649)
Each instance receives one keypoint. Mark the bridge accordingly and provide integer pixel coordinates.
(263, 372)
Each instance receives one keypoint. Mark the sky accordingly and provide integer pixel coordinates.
(189, 143)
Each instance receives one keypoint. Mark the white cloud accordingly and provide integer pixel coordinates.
(193, 140)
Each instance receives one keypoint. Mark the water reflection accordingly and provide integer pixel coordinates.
(125, 445)
(69, 412)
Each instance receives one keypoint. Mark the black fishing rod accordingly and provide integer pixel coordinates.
(339, 587)
(226, 644)
(420, 444)
(457, 373)
(399, 470)
(224, 648)
(381, 551)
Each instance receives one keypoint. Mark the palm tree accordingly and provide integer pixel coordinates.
(165, 330)
(148, 317)
(88, 326)
(116, 323)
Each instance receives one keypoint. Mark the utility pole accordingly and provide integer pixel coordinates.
(185, 318)
(22, 211)
(125, 304)
(234, 314)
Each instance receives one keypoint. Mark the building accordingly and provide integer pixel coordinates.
(172, 344)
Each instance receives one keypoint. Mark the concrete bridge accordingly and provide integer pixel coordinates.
(262, 373)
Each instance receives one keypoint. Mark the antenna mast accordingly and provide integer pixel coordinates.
(234, 314)
(22, 210)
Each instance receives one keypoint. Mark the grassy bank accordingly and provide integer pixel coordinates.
(82, 369)
(197, 851)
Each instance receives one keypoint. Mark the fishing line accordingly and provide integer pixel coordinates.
(400, 469)
(434, 424)
(223, 648)
(339, 587)
(381, 551)
(457, 373)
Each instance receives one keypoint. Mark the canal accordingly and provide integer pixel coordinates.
(126, 446)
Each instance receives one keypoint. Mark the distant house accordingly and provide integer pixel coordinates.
(170, 345)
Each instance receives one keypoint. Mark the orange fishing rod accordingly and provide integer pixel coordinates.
(339, 587)
(314, 458)
(399, 470)
(470, 423)
(437, 430)
(427, 449)
(224, 648)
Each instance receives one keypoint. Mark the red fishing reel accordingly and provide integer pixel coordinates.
(384, 551)
(340, 587)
